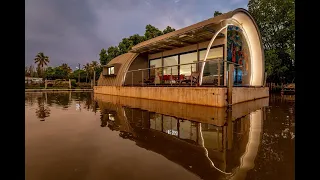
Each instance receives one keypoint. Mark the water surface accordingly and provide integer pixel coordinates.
(81, 136)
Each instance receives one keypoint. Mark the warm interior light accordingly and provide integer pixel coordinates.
(206, 151)
(208, 49)
(254, 42)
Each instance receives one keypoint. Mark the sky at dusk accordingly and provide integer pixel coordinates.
(74, 31)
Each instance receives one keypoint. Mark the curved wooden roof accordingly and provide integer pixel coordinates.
(125, 61)
(199, 32)
(189, 35)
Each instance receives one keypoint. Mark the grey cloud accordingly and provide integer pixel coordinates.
(74, 31)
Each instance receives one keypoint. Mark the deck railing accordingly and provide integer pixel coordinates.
(187, 74)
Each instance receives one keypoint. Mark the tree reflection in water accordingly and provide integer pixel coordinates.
(46, 100)
(61, 99)
(42, 111)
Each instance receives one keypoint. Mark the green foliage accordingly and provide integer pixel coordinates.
(65, 68)
(90, 68)
(103, 57)
(60, 72)
(75, 75)
(73, 83)
(276, 21)
(98, 72)
(136, 39)
(152, 32)
(168, 29)
(113, 51)
(127, 43)
(41, 60)
(217, 13)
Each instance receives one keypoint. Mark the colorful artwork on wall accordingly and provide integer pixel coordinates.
(237, 52)
(234, 45)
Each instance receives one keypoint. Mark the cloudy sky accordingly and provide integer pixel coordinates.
(74, 31)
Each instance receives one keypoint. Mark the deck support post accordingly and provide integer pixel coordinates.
(230, 83)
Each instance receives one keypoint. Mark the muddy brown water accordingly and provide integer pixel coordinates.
(82, 136)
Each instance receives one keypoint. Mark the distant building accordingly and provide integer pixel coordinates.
(32, 80)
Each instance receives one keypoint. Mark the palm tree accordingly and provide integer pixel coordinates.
(94, 66)
(87, 67)
(42, 112)
(41, 60)
(65, 67)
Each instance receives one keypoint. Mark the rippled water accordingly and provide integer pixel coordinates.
(83, 136)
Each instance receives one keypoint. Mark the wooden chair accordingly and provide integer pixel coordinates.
(148, 81)
(192, 78)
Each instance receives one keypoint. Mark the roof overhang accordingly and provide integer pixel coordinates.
(111, 64)
(196, 33)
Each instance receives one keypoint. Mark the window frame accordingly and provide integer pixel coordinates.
(192, 51)
(109, 70)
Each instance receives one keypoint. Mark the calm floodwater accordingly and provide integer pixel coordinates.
(79, 136)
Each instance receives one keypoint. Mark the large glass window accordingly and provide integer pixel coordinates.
(188, 130)
(213, 69)
(154, 64)
(214, 53)
(185, 59)
(156, 121)
(170, 61)
(170, 125)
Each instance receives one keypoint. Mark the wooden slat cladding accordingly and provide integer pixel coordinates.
(189, 29)
(122, 63)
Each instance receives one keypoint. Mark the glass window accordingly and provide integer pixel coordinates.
(185, 59)
(154, 64)
(111, 70)
(214, 53)
(156, 121)
(212, 68)
(170, 61)
(170, 125)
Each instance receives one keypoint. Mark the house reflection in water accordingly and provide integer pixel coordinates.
(212, 143)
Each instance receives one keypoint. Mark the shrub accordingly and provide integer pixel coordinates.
(73, 83)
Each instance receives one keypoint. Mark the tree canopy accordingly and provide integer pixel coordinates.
(217, 13)
(41, 60)
(127, 43)
(276, 21)
(103, 56)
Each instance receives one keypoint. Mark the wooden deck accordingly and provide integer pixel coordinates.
(51, 90)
